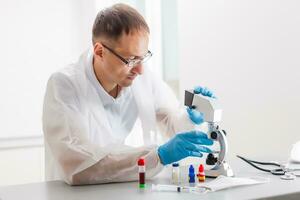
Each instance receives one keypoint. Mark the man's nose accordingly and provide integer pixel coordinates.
(138, 69)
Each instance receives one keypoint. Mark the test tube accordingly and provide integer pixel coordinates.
(142, 173)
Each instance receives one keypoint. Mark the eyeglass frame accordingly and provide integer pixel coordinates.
(135, 62)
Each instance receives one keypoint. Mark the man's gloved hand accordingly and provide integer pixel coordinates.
(183, 145)
(204, 91)
(194, 115)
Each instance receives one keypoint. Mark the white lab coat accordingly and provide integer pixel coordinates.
(80, 146)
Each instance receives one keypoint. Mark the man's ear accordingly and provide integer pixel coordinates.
(98, 50)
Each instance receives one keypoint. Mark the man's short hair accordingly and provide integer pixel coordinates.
(112, 22)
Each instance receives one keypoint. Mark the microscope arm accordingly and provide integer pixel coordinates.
(212, 115)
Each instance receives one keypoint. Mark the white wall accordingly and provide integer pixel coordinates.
(22, 165)
(37, 37)
(248, 53)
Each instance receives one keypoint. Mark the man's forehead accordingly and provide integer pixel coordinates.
(133, 44)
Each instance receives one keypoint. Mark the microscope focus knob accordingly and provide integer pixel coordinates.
(211, 159)
(214, 135)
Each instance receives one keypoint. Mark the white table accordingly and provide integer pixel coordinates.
(276, 189)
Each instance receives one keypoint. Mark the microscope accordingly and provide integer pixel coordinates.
(212, 115)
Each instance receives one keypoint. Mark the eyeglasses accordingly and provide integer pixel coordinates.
(131, 62)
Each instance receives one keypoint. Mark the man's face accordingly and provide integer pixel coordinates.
(131, 46)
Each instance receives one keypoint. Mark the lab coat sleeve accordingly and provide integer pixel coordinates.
(79, 160)
(171, 117)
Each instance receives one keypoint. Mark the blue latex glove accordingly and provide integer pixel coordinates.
(183, 145)
(204, 91)
(194, 115)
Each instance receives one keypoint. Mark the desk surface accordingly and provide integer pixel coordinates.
(277, 189)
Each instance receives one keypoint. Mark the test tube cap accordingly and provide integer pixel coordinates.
(175, 164)
(141, 162)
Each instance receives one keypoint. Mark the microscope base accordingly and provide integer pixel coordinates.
(223, 169)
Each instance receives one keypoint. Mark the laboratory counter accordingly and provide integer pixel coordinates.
(56, 190)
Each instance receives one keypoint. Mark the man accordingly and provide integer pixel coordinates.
(91, 107)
